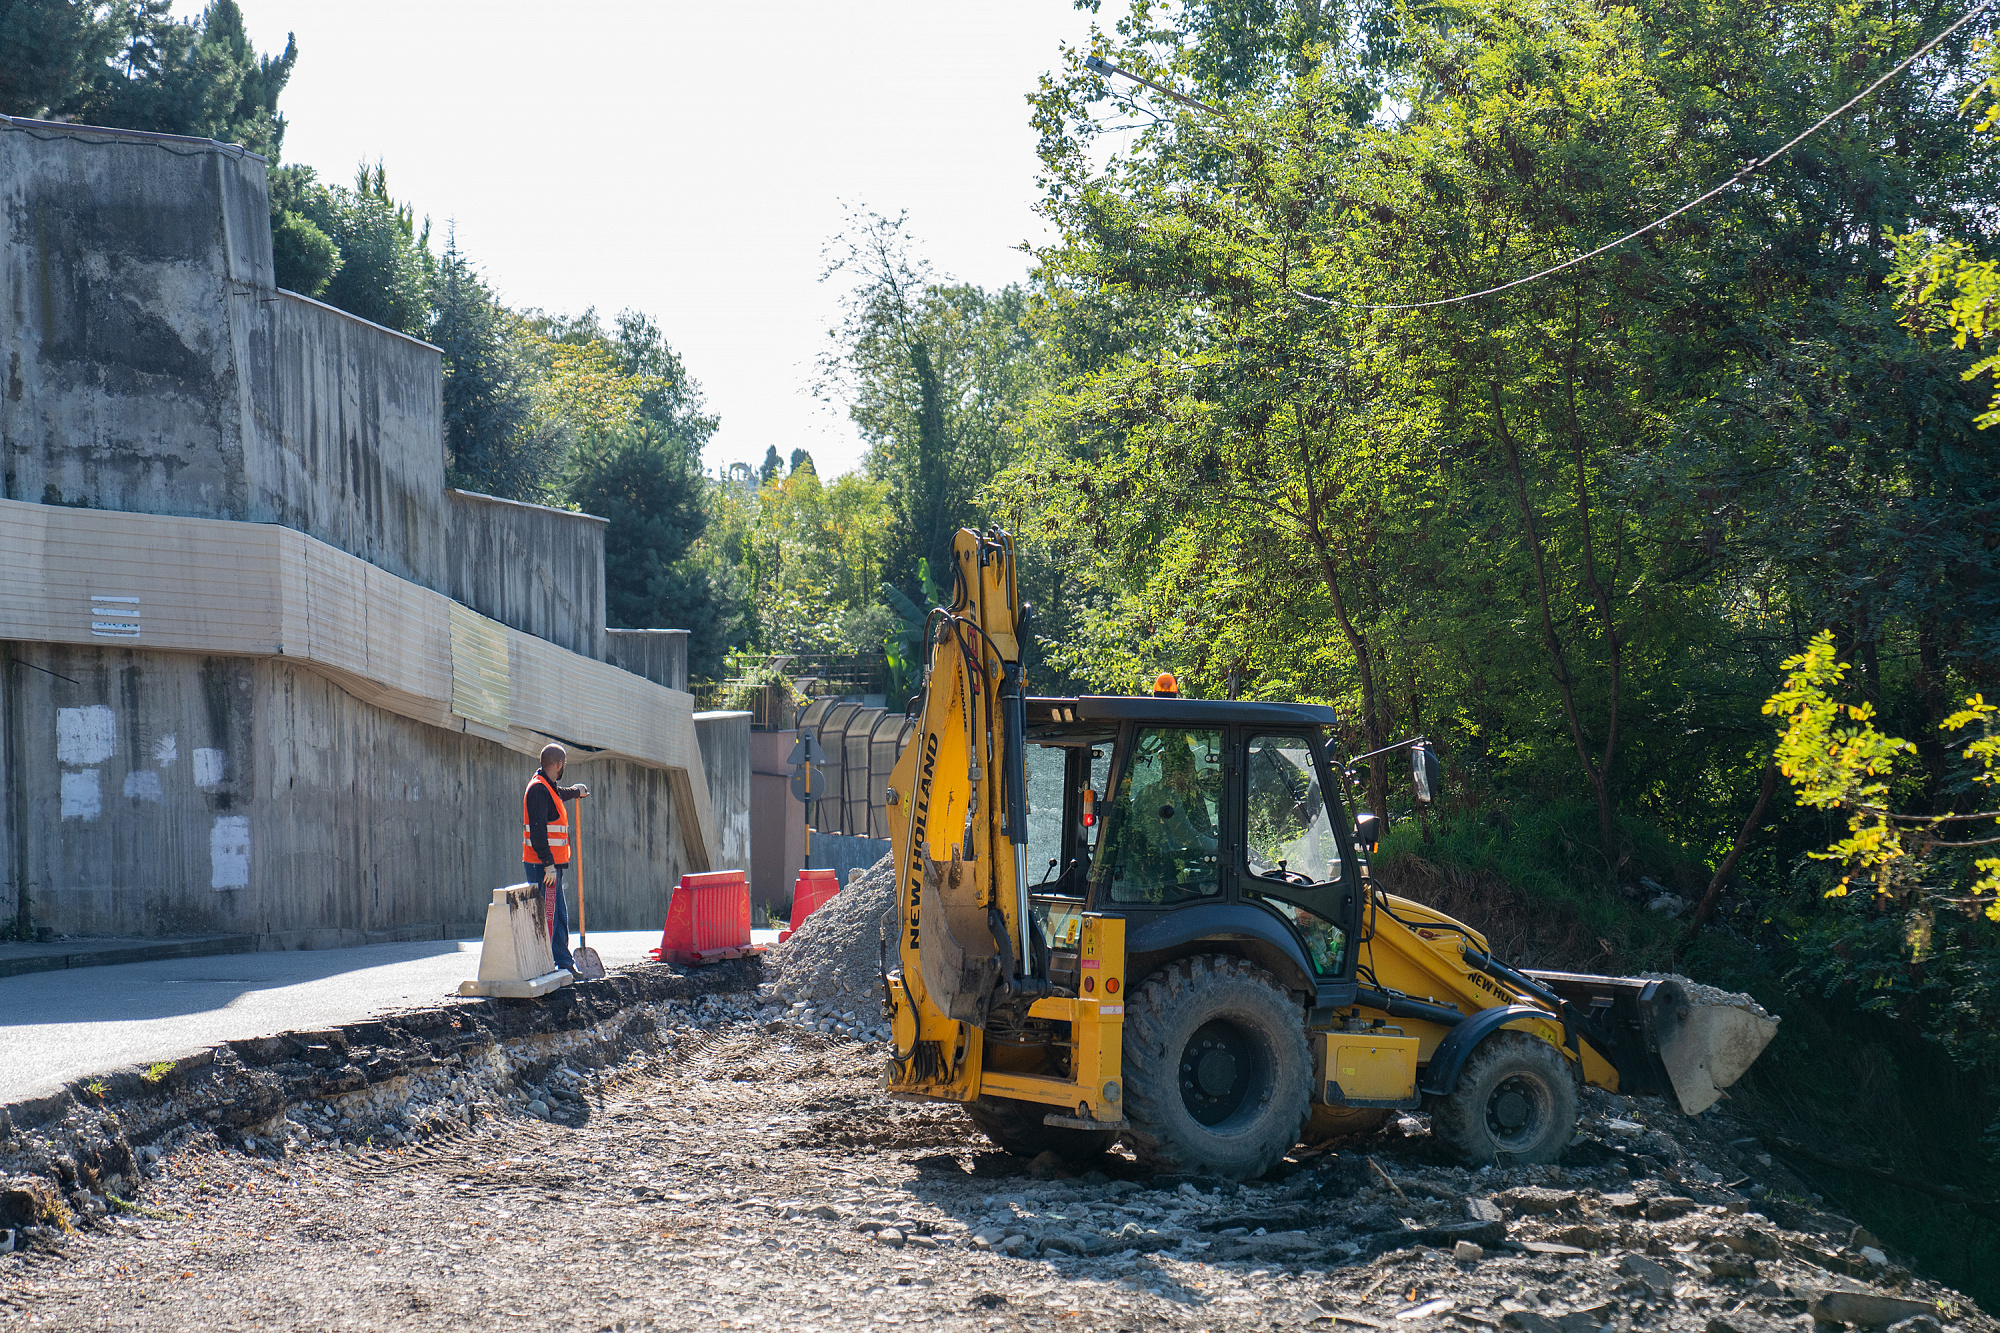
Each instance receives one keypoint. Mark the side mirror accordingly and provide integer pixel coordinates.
(1427, 772)
(1367, 831)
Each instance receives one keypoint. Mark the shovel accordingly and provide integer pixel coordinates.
(585, 964)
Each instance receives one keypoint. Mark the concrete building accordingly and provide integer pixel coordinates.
(261, 671)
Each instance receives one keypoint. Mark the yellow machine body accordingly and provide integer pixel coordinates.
(959, 880)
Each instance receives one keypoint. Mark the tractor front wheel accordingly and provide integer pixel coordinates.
(1515, 1103)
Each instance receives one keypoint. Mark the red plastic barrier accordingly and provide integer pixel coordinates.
(709, 919)
(814, 887)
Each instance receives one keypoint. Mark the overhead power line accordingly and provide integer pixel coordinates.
(1104, 67)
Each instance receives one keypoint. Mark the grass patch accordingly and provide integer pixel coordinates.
(1532, 878)
(158, 1070)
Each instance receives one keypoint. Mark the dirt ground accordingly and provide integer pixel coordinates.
(747, 1178)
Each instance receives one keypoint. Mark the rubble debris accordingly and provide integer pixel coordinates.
(1700, 994)
(829, 971)
(725, 1171)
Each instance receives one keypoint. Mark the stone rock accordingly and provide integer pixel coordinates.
(1917, 1323)
(1483, 1210)
(917, 1242)
(1668, 1207)
(1624, 1129)
(1048, 1166)
(1467, 1253)
(1554, 1249)
(1013, 1244)
(1062, 1242)
(891, 1237)
(1869, 1309)
(1625, 1205)
(1587, 1238)
(1871, 1255)
(1532, 1199)
(1733, 1266)
(539, 1108)
(1757, 1244)
(1448, 1235)
(1531, 1321)
(1741, 1321)
(1651, 1272)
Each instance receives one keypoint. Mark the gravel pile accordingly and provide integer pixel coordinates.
(1700, 995)
(835, 958)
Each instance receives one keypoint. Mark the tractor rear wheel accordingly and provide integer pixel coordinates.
(1515, 1103)
(1218, 1077)
(1017, 1126)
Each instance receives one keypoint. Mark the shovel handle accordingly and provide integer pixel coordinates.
(582, 912)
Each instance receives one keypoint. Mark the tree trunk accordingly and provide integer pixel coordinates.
(1552, 641)
(1706, 907)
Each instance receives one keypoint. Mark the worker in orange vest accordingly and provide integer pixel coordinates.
(545, 843)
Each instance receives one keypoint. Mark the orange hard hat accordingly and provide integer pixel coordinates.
(1166, 686)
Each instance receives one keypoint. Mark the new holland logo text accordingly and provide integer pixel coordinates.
(919, 817)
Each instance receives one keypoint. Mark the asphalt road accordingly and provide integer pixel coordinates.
(60, 1026)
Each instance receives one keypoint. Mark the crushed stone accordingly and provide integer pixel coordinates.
(1702, 995)
(835, 956)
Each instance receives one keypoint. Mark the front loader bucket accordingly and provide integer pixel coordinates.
(1664, 1040)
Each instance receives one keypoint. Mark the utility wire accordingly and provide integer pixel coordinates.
(1104, 67)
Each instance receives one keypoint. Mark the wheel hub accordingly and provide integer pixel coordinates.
(1216, 1071)
(1218, 1067)
(1514, 1110)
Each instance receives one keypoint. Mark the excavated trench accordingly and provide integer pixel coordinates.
(669, 1151)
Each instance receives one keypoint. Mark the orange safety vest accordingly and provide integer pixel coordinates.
(558, 832)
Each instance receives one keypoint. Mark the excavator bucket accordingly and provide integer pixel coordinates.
(961, 963)
(1666, 1039)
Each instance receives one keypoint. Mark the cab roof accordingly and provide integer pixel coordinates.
(1175, 711)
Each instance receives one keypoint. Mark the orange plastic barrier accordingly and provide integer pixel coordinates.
(814, 887)
(708, 920)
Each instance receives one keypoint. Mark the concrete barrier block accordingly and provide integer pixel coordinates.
(515, 960)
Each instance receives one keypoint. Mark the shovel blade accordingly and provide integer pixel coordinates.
(585, 963)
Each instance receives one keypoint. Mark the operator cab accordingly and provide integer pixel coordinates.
(1199, 821)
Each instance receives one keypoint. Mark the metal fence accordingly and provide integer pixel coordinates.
(861, 747)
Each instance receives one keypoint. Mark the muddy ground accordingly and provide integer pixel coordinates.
(728, 1176)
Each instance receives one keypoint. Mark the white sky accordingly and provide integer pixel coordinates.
(687, 159)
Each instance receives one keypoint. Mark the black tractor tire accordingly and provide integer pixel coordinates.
(1218, 1076)
(1017, 1126)
(1515, 1103)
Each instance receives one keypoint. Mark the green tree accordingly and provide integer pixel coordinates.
(386, 268)
(130, 64)
(488, 396)
(933, 374)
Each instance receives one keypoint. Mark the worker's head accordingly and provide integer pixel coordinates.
(553, 759)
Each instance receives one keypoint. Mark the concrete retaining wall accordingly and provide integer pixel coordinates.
(725, 757)
(163, 793)
(150, 365)
(660, 655)
(537, 569)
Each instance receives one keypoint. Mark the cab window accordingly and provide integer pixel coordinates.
(1289, 829)
(1166, 818)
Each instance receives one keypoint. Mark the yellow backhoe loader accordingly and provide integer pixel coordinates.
(1200, 963)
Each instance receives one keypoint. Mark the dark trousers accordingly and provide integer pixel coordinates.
(559, 933)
